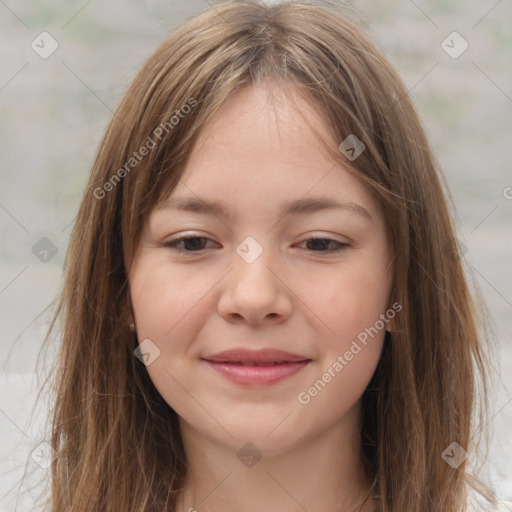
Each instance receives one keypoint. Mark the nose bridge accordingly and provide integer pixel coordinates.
(250, 250)
(252, 261)
(253, 290)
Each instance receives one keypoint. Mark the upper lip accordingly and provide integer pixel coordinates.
(267, 355)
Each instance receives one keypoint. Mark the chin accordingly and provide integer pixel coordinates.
(268, 439)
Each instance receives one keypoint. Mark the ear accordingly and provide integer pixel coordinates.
(391, 314)
(128, 316)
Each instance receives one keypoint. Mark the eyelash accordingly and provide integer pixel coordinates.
(173, 244)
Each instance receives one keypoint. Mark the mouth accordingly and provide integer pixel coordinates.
(256, 368)
(267, 356)
(254, 363)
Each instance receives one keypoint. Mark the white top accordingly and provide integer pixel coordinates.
(476, 505)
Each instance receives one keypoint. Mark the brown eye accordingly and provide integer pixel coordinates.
(318, 244)
(191, 244)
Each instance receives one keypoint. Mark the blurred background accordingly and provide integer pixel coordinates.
(64, 66)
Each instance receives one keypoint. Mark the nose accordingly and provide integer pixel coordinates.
(255, 291)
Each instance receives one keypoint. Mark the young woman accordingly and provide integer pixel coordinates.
(265, 308)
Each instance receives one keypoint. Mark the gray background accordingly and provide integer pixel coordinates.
(53, 113)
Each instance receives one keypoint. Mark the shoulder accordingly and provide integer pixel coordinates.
(483, 502)
(476, 505)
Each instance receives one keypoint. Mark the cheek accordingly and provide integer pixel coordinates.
(350, 304)
(162, 298)
(166, 305)
(349, 301)
(335, 391)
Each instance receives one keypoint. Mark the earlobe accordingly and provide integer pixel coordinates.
(128, 315)
(391, 314)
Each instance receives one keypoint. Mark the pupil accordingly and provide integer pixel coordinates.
(319, 242)
(194, 245)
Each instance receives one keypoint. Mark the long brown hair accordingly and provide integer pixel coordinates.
(117, 441)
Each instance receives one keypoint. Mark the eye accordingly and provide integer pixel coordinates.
(320, 242)
(196, 244)
(190, 241)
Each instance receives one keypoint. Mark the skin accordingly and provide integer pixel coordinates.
(296, 296)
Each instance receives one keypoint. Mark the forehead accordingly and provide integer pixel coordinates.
(263, 144)
(268, 117)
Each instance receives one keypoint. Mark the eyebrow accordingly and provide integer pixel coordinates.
(295, 207)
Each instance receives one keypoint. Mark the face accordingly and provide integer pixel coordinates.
(270, 266)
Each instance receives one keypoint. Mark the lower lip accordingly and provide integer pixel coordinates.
(258, 375)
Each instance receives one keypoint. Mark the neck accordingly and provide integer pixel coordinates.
(322, 474)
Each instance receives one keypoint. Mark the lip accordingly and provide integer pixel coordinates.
(243, 355)
(258, 375)
(257, 367)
